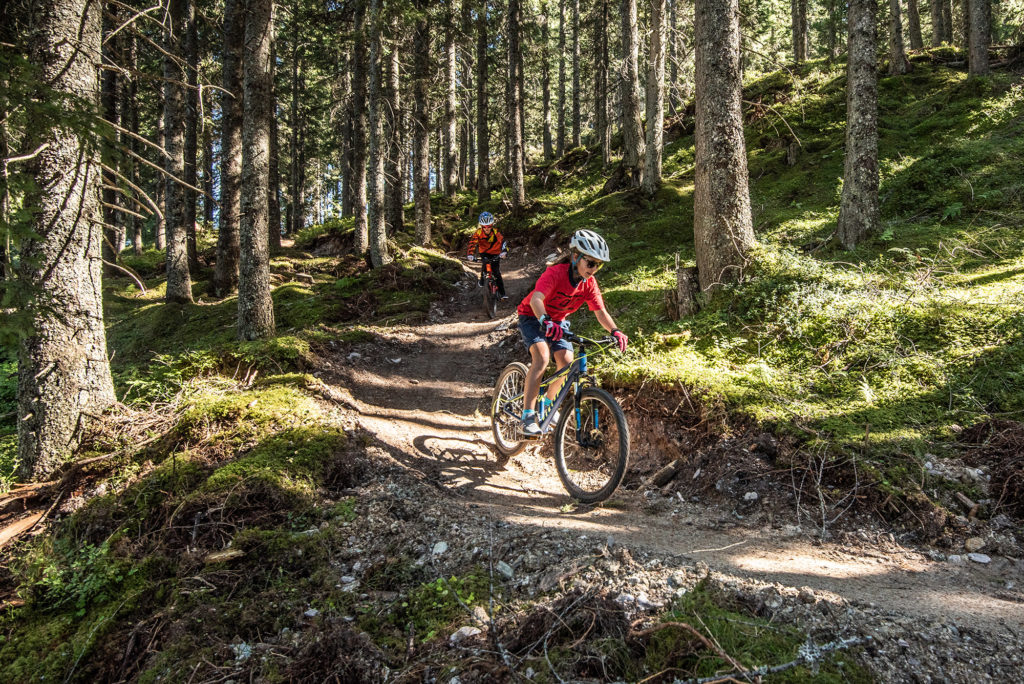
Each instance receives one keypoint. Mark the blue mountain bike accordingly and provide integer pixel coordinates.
(591, 437)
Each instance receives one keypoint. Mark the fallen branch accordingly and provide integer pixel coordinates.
(127, 272)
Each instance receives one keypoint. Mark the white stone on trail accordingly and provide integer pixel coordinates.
(750, 496)
(463, 633)
(439, 548)
(505, 569)
(311, 613)
(979, 558)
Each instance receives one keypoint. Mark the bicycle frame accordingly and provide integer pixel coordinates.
(576, 374)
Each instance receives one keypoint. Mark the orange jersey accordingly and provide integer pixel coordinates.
(492, 243)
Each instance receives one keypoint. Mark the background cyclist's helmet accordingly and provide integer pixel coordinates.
(591, 244)
(486, 219)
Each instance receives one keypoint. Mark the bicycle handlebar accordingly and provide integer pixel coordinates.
(579, 339)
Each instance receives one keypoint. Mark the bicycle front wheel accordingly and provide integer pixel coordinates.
(491, 299)
(507, 409)
(592, 447)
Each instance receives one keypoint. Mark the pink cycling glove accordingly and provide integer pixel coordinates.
(621, 338)
(553, 331)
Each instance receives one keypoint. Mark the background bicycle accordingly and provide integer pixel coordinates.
(491, 295)
(591, 436)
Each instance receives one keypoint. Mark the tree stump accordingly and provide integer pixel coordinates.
(682, 301)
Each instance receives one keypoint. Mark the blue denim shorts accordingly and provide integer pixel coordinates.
(532, 333)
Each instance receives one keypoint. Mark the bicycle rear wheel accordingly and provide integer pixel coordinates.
(507, 409)
(591, 456)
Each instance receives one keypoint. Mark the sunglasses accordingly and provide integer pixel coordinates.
(592, 263)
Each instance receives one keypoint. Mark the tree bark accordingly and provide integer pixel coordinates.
(111, 113)
(130, 119)
(632, 125)
(394, 175)
(179, 286)
(63, 371)
(938, 30)
(545, 84)
(421, 122)
(723, 230)
(914, 25)
(600, 46)
(377, 225)
(514, 117)
(450, 138)
(576, 119)
(255, 306)
(191, 133)
(560, 120)
(898, 62)
(483, 184)
(858, 209)
(979, 34)
(362, 235)
(947, 21)
(225, 273)
(798, 12)
(274, 180)
(655, 99)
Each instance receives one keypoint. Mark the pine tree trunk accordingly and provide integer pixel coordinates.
(545, 84)
(362, 235)
(483, 151)
(179, 286)
(346, 135)
(63, 371)
(898, 63)
(833, 29)
(673, 64)
(466, 49)
(514, 117)
(375, 195)
(159, 188)
(938, 31)
(576, 75)
(723, 231)
(798, 12)
(914, 25)
(225, 274)
(632, 125)
(858, 208)
(255, 307)
(560, 120)
(274, 180)
(947, 21)
(979, 27)
(450, 138)
(111, 113)
(600, 39)
(421, 123)
(191, 133)
(655, 99)
(130, 117)
(395, 178)
(208, 173)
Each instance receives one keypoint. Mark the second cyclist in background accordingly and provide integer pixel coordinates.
(491, 246)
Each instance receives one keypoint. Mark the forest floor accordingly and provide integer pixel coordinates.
(423, 391)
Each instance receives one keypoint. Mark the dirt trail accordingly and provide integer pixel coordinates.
(425, 394)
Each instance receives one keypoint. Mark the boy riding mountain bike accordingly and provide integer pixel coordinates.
(491, 246)
(560, 291)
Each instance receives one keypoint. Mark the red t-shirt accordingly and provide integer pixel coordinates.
(560, 297)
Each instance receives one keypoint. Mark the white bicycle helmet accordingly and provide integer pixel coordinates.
(589, 243)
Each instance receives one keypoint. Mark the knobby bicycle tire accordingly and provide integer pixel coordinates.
(506, 424)
(591, 459)
(490, 299)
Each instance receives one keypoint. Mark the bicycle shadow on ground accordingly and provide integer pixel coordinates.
(460, 466)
